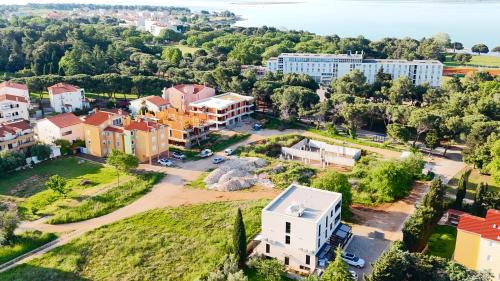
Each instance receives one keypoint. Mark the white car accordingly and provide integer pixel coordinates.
(354, 275)
(206, 153)
(178, 155)
(165, 162)
(217, 160)
(353, 260)
(228, 151)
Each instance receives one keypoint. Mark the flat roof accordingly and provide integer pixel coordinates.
(308, 55)
(221, 101)
(315, 202)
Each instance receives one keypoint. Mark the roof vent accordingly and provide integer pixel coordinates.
(295, 209)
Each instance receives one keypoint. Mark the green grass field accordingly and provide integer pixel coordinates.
(475, 178)
(479, 61)
(442, 241)
(186, 49)
(182, 243)
(24, 243)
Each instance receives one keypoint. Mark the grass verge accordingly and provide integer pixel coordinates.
(24, 243)
(199, 182)
(183, 243)
(109, 201)
(442, 241)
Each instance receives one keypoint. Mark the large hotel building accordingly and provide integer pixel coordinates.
(324, 68)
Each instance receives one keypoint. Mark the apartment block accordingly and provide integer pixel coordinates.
(15, 89)
(67, 98)
(302, 226)
(180, 96)
(184, 128)
(106, 131)
(16, 135)
(13, 108)
(148, 104)
(224, 110)
(65, 126)
(478, 242)
(324, 68)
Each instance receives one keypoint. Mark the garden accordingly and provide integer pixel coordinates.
(183, 243)
(442, 241)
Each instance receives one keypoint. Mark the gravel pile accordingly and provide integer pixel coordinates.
(237, 174)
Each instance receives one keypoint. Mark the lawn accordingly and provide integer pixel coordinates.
(30, 181)
(199, 183)
(107, 202)
(442, 241)
(24, 243)
(186, 49)
(475, 178)
(182, 243)
(479, 61)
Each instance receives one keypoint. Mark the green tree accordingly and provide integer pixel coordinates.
(496, 49)
(172, 55)
(398, 132)
(268, 269)
(122, 162)
(8, 223)
(462, 188)
(354, 117)
(480, 49)
(431, 140)
(388, 181)
(336, 182)
(293, 101)
(494, 166)
(240, 240)
(41, 151)
(64, 145)
(392, 265)
(478, 207)
(337, 270)
(57, 184)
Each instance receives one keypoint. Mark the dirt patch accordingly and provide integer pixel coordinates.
(29, 186)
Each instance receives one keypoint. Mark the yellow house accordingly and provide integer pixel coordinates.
(106, 131)
(478, 242)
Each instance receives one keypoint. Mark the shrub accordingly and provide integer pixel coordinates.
(41, 151)
(388, 181)
(8, 223)
(336, 182)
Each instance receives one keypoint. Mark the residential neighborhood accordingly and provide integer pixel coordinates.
(144, 142)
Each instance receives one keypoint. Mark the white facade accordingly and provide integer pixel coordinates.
(489, 258)
(152, 103)
(15, 89)
(50, 129)
(66, 99)
(13, 108)
(297, 224)
(324, 68)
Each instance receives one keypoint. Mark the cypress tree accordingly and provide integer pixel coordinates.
(461, 189)
(477, 206)
(240, 239)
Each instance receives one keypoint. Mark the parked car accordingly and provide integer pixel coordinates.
(165, 162)
(217, 160)
(178, 155)
(354, 275)
(256, 127)
(228, 151)
(206, 153)
(351, 259)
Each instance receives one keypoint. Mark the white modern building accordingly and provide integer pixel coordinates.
(302, 226)
(150, 103)
(324, 68)
(66, 98)
(65, 126)
(13, 108)
(15, 89)
(224, 110)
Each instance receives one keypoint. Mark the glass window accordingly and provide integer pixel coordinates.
(287, 239)
(288, 227)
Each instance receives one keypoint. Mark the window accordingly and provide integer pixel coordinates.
(288, 226)
(337, 219)
(287, 239)
(268, 248)
(308, 259)
(319, 230)
(67, 133)
(337, 207)
(319, 243)
(326, 232)
(287, 261)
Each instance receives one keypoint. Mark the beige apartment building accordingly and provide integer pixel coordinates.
(16, 135)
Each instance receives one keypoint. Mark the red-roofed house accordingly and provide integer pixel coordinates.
(13, 107)
(16, 135)
(65, 126)
(180, 96)
(150, 103)
(66, 98)
(478, 242)
(14, 89)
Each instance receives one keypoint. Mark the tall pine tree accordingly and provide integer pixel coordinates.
(337, 270)
(461, 189)
(240, 239)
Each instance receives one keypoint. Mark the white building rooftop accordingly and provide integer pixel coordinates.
(304, 202)
(313, 55)
(221, 101)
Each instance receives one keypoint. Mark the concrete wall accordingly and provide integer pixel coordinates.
(467, 248)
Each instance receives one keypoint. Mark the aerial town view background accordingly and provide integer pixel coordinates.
(231, 140)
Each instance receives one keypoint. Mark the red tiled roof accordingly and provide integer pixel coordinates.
(97, 118)
(113, 129)
(10, 84)
(60, 88)
(488, 227)
(13, 98)
(116, 111)
(65, 120)
(141, 126)
(190, 89)
(13, 127)
(156, 100)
